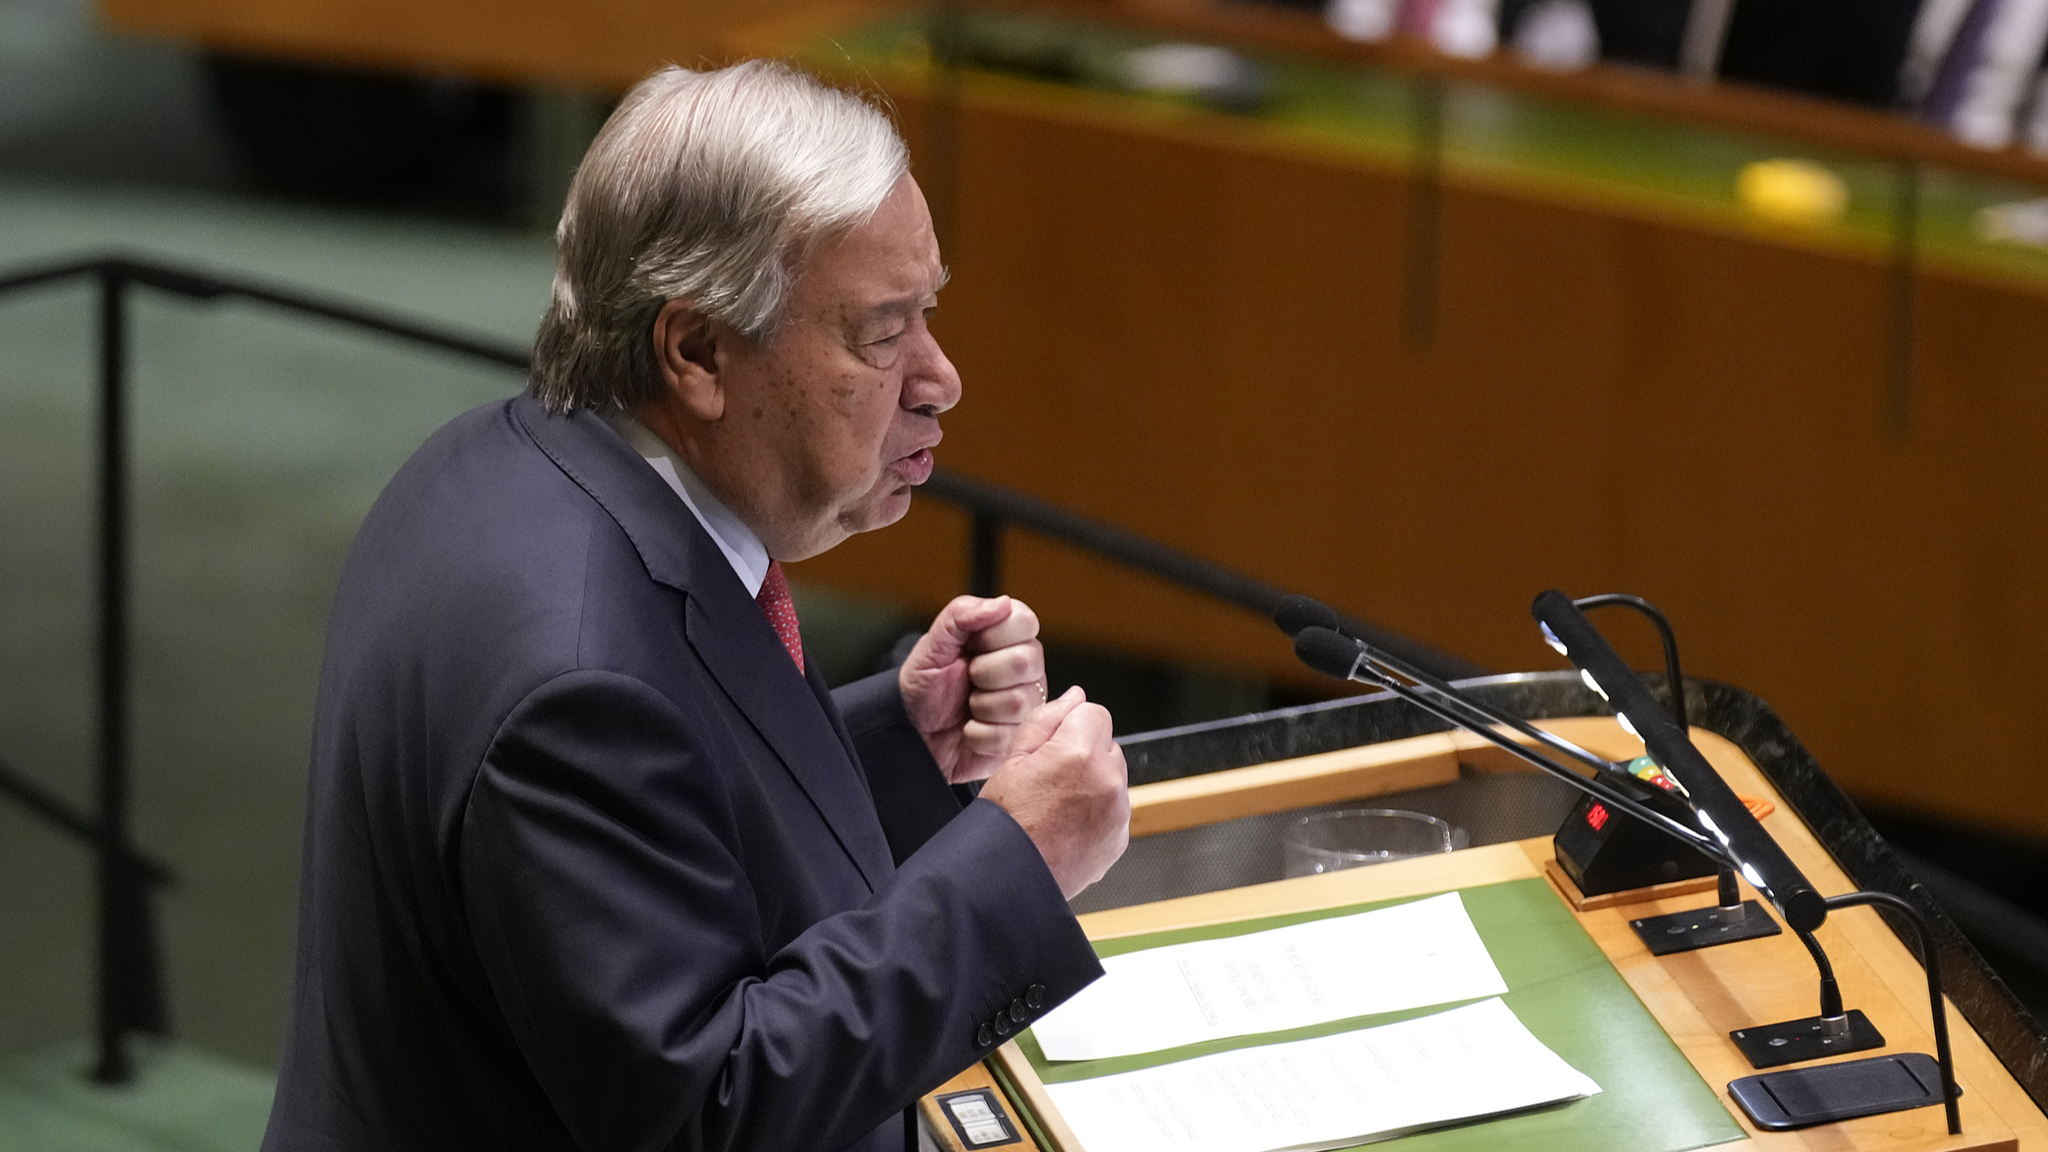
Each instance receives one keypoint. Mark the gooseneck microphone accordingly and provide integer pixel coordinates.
(1334, 654)
(1294, 613)
(1716, 809)
(1745, 843)
(1328, 651)
(1299, 615)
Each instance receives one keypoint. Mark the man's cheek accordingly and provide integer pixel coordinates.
(855, 400)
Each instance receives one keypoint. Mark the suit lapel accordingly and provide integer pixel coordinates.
(724, 626)
(822, 692)
(748, 659)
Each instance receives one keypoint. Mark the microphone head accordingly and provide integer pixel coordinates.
(1295, 613)
(1326, 651)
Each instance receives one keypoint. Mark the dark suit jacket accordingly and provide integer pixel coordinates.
(590, 865)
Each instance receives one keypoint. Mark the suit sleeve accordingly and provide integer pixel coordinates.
(600, 871)
(911, 794)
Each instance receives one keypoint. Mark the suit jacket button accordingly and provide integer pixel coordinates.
(1002, 1023)
(1034, 997)
(983, 1036)
(1017, 1012)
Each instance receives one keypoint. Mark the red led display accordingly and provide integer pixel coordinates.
(1597, 816)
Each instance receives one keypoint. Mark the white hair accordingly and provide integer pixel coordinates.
(708, 187)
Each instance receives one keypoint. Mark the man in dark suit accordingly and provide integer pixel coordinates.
(593, 859)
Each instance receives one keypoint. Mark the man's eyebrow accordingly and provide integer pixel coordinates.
(908, 302)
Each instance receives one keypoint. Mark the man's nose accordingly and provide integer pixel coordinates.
(932, 384)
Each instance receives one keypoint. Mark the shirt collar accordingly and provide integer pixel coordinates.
(742, 549)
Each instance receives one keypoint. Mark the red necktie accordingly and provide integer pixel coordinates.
(781, 612)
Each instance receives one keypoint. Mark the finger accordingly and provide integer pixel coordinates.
(1086, 726)
(1015, 665)
(958, 623)
(1017, 626)
(984, 739)
(1009, 706)
(1044, 720)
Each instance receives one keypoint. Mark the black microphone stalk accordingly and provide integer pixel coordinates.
(1755, 854)
(1340, 656)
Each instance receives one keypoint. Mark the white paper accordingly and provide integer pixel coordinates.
(1408, 956)
(1329, 1092)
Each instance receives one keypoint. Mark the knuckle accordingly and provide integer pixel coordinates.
(988, 667)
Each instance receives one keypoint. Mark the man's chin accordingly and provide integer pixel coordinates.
(880, 510)
(876, 510)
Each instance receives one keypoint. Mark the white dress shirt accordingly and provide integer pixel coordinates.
(743, 550)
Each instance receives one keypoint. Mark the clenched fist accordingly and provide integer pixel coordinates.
(1066, 785)
(972, 677)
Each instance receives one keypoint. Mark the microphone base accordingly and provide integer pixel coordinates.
(1793, 1041)
(1605, 850)
(1704, 928)
(1580, 902)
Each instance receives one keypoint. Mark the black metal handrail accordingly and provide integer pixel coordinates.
(202, 285)
(994, 508)
(130, 977)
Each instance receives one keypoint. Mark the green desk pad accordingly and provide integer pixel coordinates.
(1563, 989)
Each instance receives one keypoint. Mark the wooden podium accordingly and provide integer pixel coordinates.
(1696, 997)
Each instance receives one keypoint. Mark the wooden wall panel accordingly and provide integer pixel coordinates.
(1202, 339)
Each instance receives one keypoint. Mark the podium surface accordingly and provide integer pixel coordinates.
(1695, 998)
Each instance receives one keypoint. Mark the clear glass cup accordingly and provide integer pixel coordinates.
(1355, 837)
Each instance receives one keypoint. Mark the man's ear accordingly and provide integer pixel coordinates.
(686, 350)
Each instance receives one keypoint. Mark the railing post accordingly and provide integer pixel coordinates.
(947, 34)
(985, 555)
(1898, 382)
(1425, 197)
(112, 712)
(130, 980)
